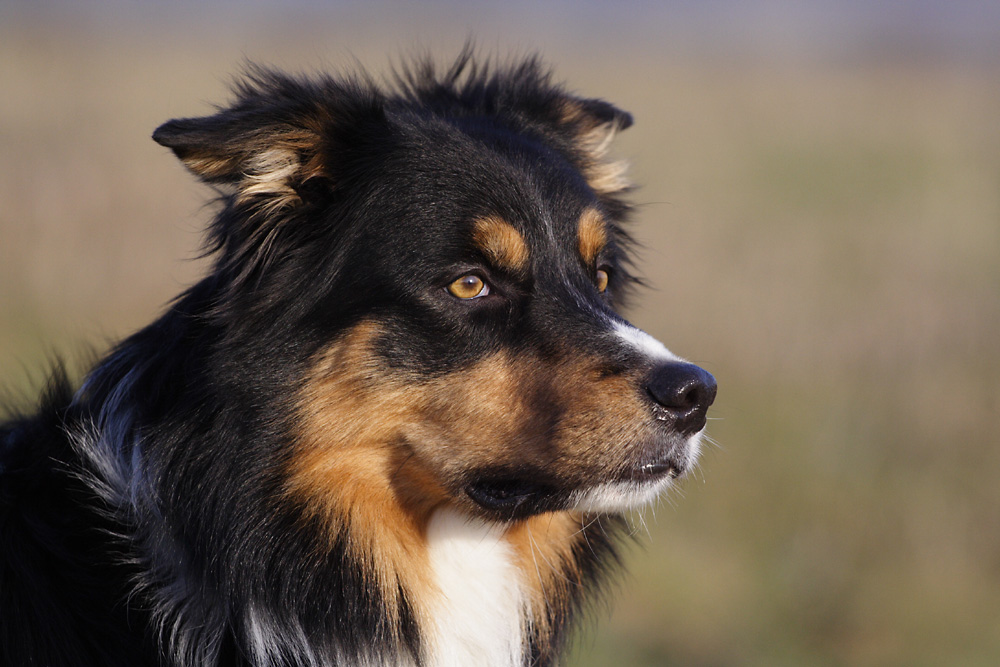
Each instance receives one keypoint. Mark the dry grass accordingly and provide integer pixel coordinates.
(824, 238)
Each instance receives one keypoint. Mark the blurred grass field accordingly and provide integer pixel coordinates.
(823, 234)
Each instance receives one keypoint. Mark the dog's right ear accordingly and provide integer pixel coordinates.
(253, 154)
(272, 141)
(276, 150)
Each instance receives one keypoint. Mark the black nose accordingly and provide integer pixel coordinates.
(685, 391)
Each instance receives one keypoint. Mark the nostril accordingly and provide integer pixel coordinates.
(692, 397)
(685, 390)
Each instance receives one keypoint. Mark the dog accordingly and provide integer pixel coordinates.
(399, 421)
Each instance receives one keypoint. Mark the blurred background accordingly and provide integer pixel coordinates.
(820, 208)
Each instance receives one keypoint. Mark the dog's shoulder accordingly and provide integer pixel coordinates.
(59, 575)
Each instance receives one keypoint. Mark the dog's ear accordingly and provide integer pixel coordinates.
(276, 151)
(258, 156)
(269, 147)
(593, 124)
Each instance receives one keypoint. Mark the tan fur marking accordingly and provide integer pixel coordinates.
(594, 137)
(207, 166)
(592, 235)
(273, 170)
(543, 545)
(608, 177)
(353, 471)
(265, 167)
(501, 243)
(271, 174)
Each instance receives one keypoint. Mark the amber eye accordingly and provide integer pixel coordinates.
(602, 279)
(469, 287)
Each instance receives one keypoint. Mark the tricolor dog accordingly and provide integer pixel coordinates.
(395, 425)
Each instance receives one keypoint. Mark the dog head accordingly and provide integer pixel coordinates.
(428, 282)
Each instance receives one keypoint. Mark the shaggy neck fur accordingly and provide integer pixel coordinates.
(480, 607)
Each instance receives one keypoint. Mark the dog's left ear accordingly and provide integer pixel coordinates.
(593, 124)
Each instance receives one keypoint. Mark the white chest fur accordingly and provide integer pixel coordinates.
(480, 610)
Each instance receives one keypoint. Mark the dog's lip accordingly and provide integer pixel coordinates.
(652, 470)
(659, 469)
(508, 496)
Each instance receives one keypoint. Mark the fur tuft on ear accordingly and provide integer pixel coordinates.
(247, 152)
(595, 123)
(267, 144)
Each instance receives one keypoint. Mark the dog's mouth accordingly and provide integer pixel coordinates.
(519, 491)
(654, 471)
(511, 498)
(664, 456)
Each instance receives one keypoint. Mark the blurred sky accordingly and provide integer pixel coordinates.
(954, 29)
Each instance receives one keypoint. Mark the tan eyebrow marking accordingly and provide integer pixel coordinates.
(592, 235)
(501, 243)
